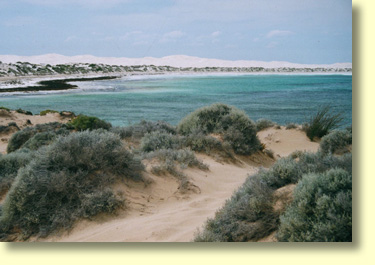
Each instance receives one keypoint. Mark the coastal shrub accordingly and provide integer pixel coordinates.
(235, 126)
(321, 210)
(26, 112)
(158, 140)
(43, 138)
(10, 128)
(5, 108)
(19, 138)
(9, 166)
(262, 124)
(290, 126)
(83, 122)
(139, 130)
(169, 159)
(68, 180)
(249, 214)
(337, 141)
(207, 144)
(45, 112)
(321, 123)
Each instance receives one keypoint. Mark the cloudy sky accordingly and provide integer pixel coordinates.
(300, 31)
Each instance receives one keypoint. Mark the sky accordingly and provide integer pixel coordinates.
(298, 31)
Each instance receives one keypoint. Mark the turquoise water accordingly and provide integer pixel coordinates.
(280, 98)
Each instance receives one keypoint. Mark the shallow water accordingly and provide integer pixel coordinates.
(280, 98)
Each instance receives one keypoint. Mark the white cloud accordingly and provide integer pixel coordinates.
(216, 34)
(279, 33)
(71, 38)
(172, 36)
(272, 45)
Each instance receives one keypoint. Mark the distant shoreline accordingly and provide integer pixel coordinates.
(60, 82)
(54, 85)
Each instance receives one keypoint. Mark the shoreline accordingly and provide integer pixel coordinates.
(60, 82)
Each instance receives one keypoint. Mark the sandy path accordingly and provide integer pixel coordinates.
(160, 214)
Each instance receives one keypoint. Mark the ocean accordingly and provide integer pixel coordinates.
(283, 98)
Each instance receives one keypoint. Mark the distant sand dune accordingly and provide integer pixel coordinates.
(173, 60)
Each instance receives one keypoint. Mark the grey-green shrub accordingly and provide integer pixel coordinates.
(262, 124)
(19, 138)
(9, 166)
(43, 138)
(159, 140)
(291, 126)
(321, 210)
(139, 130)
(68, 180)
(209, 145)
(337, 141)
(235, 126)
(248, 215)
(174, 161)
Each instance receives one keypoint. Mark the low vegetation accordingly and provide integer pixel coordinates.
(45, 112)
(321, 210)
(67, 180)
(19, 139)
(337, 142)
(137, 131)
(250, 214)
(83, 122)
(55, 174)
(262, 124)
(321, 123)
(234, 125)
(9, 166)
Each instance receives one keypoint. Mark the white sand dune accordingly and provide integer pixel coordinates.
(173, 60)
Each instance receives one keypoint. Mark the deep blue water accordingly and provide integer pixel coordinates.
(280, 98)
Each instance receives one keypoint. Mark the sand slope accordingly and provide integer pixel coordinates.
(162, 213)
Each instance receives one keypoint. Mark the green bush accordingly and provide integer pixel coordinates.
(291, 126)
(169, 159)
(321, 210)
(26, 112)
(83, 122)
(235, 126)
(4, 108)
(43, 138)
(200, 142)
(321, 123)
(337, 141)
(68, 180)
(19, 138)
(249, 214)
(158, 140)
(262, 124)
(141, 129)
(9, 166)
(45, 112)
